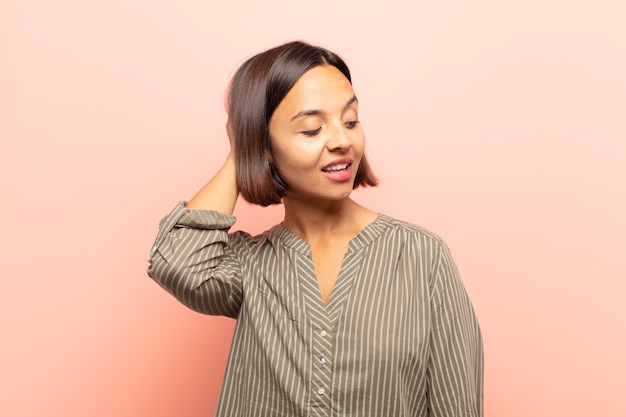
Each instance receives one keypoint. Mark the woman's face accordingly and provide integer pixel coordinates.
(317, 141)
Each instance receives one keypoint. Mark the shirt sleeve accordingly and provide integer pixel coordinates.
(455, 369)
(192, 259)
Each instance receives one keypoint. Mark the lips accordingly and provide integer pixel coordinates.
(338, 165)
(340, 170)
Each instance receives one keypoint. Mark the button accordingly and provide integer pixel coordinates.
(321, 391)
(322, 359)
(323, 333)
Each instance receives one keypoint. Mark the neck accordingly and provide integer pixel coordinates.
(320, 220)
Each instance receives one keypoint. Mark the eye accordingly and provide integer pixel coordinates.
(311, 132)
(352, 124)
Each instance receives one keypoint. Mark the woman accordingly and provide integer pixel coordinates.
(340, 311)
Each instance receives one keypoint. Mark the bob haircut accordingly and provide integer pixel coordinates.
(256, 90)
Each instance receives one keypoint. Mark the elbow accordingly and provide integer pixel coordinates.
(198, 290)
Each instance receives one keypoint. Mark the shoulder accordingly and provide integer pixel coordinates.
(407, 240)
(409, 230)
(268, 238)
(424, 247)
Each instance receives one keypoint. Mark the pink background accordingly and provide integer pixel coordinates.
(500, 125)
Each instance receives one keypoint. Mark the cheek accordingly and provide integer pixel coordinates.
(358, 144)
(296, 156)
(286, 160)
(295, 163)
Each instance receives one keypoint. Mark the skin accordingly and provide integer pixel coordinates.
(315, 125)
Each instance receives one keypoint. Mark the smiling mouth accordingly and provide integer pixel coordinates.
(335, 168)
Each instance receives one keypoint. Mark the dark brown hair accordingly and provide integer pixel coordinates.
(256, 90)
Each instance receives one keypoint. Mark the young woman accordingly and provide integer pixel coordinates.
(340, 311)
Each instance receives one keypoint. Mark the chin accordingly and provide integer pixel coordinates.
(343, 196)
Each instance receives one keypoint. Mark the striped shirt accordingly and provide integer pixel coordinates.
(398, 336)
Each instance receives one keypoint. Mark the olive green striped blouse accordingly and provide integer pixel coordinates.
(398, 336)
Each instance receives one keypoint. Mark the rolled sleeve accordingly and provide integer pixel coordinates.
(192, 260)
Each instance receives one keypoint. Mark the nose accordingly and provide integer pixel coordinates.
(339, 138)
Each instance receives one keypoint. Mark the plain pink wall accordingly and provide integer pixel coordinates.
(500, 125)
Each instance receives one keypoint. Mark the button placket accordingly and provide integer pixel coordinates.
(321, 356)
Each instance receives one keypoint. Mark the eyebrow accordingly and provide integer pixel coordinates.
(305, 113)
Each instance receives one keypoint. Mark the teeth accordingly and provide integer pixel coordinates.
(339, 167)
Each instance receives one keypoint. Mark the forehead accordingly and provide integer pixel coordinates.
(319, 85)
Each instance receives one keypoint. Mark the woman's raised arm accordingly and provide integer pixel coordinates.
(220, 193)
